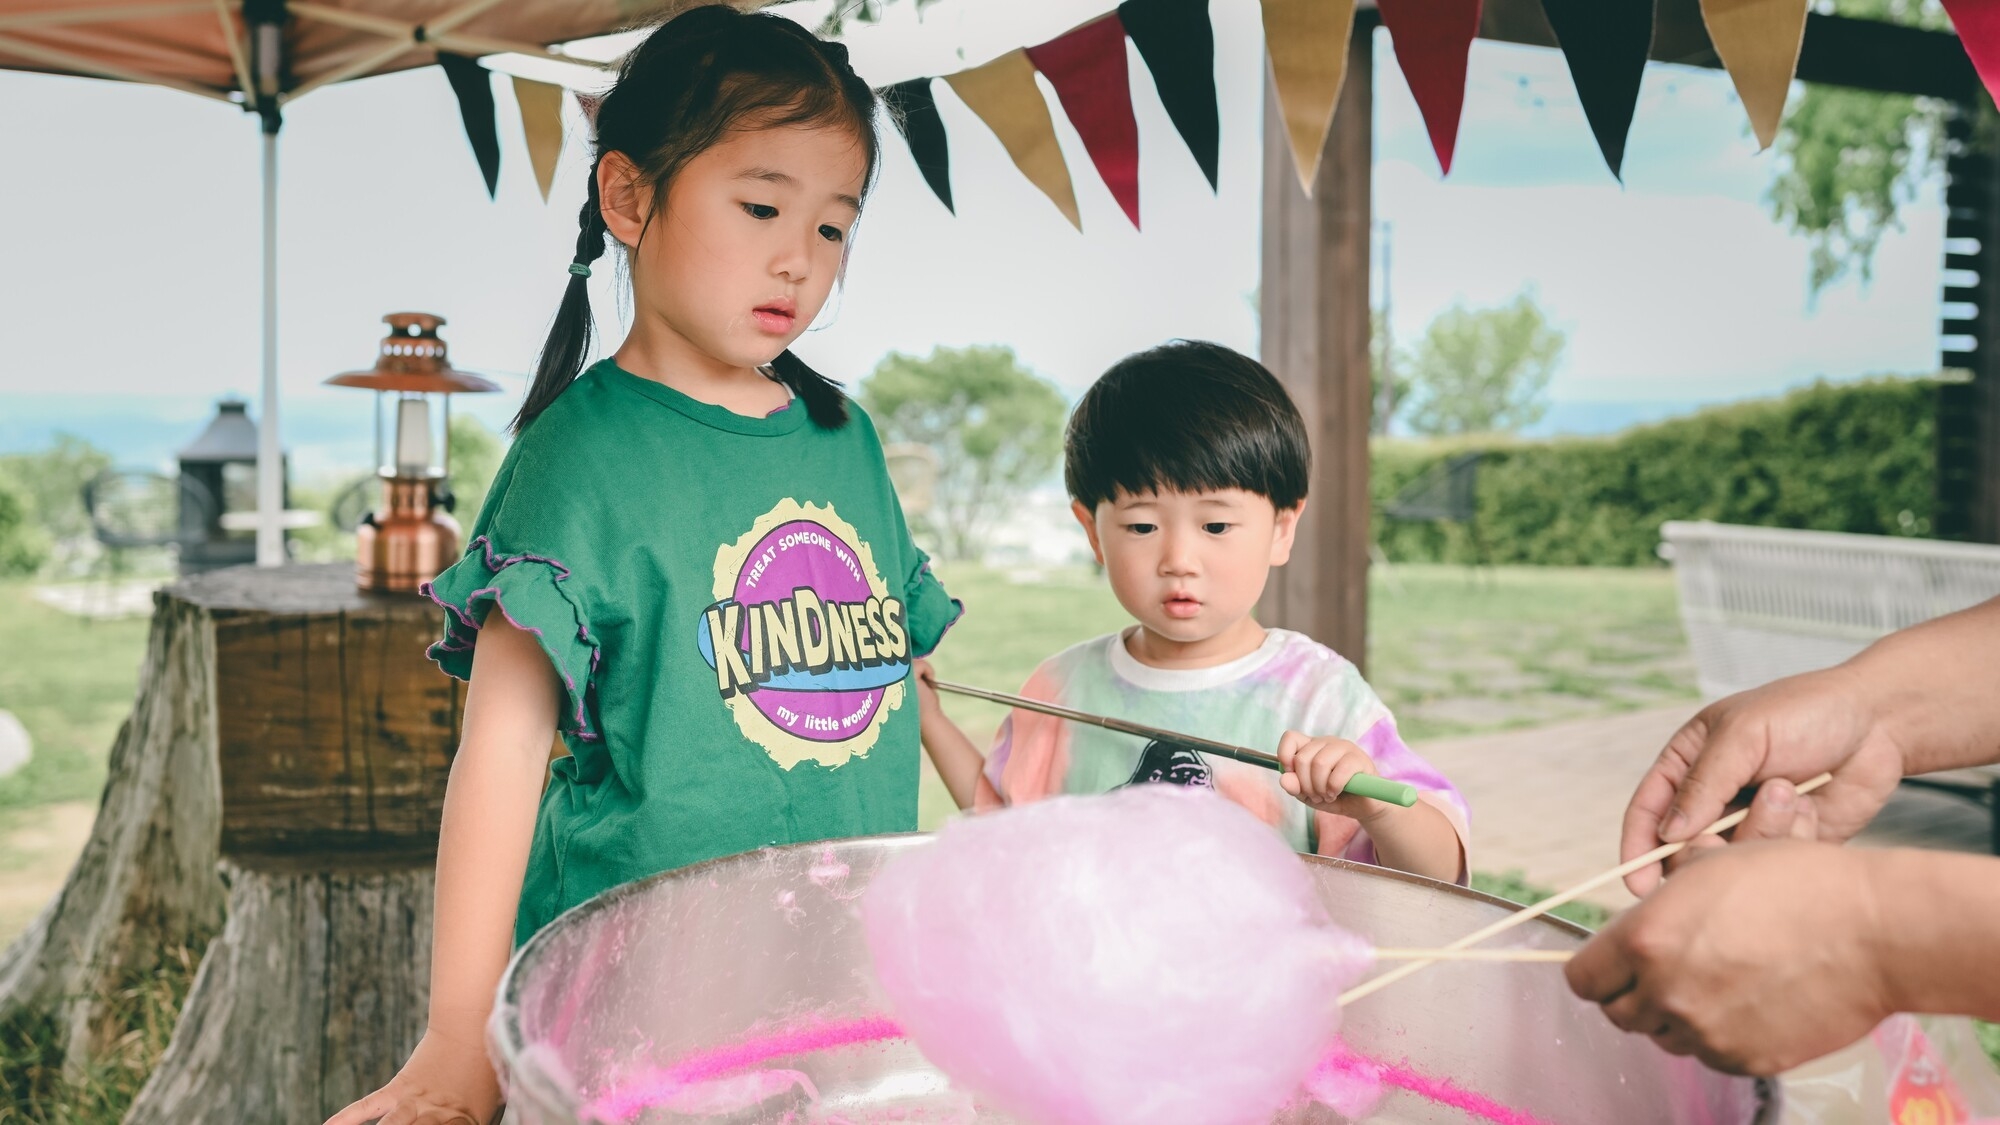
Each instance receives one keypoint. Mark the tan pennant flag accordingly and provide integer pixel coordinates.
(542, 125)
(1758, 42)
(1004, 95)
(1307, 42)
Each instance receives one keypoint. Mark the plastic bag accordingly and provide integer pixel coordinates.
(1911, 1070)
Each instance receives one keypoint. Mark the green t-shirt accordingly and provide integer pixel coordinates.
(732, 604)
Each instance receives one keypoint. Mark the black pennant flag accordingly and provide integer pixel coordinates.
(914, 110)
(1175, 39)
(474, 87)
(1605, 43)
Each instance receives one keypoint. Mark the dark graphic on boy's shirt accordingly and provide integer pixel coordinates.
(1172, 763)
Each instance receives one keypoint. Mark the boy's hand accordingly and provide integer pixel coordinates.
(1317, 769)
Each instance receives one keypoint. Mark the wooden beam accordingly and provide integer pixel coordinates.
(1313, 303)
(1838, 51)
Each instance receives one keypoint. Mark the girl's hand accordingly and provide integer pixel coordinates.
(927, 695)
(446, 1082)
(1317, 769)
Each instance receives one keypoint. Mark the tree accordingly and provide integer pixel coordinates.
(995, 426)
(24, 546)
(1848, 159)
(475, 456)
(1483, 370)
(53, 479)
(1385, 361)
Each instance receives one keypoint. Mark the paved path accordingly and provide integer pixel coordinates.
(1548, 801)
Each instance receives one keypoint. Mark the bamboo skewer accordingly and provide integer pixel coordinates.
(1366, 785)
(1376, 983)
(1549, 956)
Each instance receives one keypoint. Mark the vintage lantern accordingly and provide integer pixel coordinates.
(411, 536)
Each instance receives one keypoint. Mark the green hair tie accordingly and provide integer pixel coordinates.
(579, 269)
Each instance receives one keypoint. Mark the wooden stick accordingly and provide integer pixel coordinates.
(70, 17)
(237, 58)
(77, 64)
(365, 65)
(1551, 956)
(1376, 983)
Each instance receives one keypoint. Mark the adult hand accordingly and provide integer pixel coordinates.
(1754, 958)
(446, 1082)
(1786, 731)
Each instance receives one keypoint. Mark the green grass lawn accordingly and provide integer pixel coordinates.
(70, 682)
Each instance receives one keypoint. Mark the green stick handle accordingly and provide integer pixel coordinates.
(1381, 789)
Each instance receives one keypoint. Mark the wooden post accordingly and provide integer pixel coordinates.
(331, 737)
(1313, 304)
(1968, 414)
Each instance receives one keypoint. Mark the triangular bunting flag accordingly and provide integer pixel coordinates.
(914, 111)
(1433, 39)
(1175, 39)
(1758, 42)
(1978, 25)
(1004, 95)
(1087, 68)
(1606, 43)
(541, 126)
(474, 87)
(1307, 42)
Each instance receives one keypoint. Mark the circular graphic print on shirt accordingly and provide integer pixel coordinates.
(809, 649)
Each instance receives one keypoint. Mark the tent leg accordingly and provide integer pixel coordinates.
(270, 458)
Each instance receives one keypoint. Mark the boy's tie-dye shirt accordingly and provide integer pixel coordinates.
(1290, 683)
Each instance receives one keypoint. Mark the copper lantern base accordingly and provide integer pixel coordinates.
(406, 544)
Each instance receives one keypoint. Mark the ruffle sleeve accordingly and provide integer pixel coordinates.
(930, 611)
(529, 591)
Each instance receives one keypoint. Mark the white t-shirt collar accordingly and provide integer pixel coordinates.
(1128, 668)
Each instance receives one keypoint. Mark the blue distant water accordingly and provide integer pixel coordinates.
(325, 435)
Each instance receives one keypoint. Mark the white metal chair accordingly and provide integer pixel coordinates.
(1762, 603)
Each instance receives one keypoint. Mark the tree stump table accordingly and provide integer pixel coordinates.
(289, 726)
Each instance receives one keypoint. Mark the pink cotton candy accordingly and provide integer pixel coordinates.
(1155, 954)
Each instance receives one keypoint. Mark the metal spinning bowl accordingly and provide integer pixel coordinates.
(652, 970)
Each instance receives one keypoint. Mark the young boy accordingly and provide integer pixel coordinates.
(1187, 465)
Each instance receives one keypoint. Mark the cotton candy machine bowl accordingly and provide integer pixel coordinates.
(754, 970)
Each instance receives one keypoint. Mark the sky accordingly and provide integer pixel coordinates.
(129, 223)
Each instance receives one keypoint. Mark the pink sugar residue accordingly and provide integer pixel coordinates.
(662, 1085)
(1447, 1093)
(667, 1086)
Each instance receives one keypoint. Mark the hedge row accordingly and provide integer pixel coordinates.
(1857, 457)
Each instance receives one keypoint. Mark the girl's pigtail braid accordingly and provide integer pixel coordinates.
(570, 334)
(825, 404)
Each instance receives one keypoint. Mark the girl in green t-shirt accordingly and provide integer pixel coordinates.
(701, 573)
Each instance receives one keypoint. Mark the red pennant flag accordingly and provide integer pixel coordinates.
(1433, 40)
(1087, 68)
(1978, 25)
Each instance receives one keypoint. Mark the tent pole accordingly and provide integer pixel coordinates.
(270, 456)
